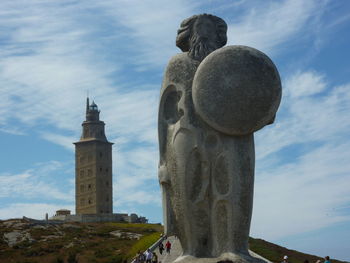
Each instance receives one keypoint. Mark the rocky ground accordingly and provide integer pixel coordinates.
(34, 241)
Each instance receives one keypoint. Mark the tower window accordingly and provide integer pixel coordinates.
(107, 183)
(100, 169)
(101, 154)
(89, 187)
(90, 201)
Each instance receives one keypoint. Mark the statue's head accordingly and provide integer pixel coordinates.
(199, 35)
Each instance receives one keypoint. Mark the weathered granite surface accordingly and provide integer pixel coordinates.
(209, 108)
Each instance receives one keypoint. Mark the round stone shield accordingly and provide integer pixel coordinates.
(237, 90)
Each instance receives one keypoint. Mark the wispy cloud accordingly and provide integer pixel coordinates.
(307, 194)
(269, 25)
(308, 113)
(152, 34)
(305, 190)
(37, 183)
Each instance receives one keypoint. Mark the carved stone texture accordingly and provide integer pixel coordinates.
(206, 173)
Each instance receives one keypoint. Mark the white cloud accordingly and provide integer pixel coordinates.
(307, 194)
(306, 190)
(305, 119)
(39, 182)
(136, 180)
(304, 84)
(153, 33)
(65, 141)
(31, 210)
(269, 24)
(11, 130)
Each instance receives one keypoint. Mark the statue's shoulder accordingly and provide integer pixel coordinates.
(180, 67)
(181, 59)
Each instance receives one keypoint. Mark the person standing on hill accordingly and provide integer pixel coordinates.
(327, 260)
(139, 257)
(168, 246)
(154, 258)
(285, 259)
(149, 256)
(161, 248)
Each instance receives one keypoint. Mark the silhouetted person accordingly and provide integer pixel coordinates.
(161, 248)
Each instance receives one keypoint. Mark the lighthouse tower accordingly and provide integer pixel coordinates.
(93, 166)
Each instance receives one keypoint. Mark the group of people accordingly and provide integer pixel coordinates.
(151, 257)
(167, 247)
(326, 260)
(147, 257)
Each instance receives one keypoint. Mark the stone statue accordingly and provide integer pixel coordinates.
(213, 99)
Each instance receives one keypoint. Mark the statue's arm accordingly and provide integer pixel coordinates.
(167, 118)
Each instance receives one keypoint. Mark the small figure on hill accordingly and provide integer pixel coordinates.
(154, 258)
(168, 246)
(327, 260)
(139, 257)
(149, 256)
(143, 257)
(285, 259)
(161, 248)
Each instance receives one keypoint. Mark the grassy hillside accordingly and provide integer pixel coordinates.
(74, 242)
(27, 242)
(275, 253)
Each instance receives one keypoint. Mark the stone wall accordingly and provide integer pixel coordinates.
(93, 218)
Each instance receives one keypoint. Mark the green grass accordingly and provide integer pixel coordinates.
(275, 253)
(144, 243)
(137, 227)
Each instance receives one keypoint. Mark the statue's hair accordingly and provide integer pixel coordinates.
(184, 33)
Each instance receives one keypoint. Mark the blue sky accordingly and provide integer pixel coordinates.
(53, 52)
